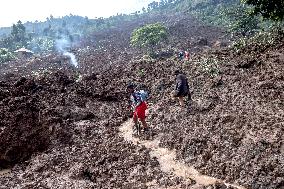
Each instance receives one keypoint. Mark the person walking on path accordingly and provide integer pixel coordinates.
(138, 103)
(181, 88)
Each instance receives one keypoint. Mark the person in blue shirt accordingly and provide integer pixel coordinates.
(139, 107)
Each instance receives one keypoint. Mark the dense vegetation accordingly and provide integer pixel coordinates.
(270, 9)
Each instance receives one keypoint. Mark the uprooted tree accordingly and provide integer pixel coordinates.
(149, 36)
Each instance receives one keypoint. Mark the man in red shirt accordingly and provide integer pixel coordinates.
(186, 55)
(139, 107)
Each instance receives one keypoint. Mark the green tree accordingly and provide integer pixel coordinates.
(18, 32)
(5, 55)
(149, 36)
(240, 22)
(153, 5)
(269, 9)
(18, 35)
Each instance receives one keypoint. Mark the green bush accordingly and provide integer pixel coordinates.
(210, 66)
(149, 36)
(5, 55)
(41, 44)
(262, 38)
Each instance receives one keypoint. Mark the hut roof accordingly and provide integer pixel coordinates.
(24, 50)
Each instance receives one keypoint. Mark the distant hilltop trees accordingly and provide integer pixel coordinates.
(243, 18)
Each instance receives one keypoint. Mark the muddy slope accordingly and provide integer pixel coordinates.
(43, 128)
(234, 128)
(60, 125)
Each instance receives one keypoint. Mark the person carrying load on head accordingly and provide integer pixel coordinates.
(138, 103)
(181, 88)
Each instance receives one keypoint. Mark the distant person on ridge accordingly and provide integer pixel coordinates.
(181, 88)
(186, 55)
(181, 55)
(139, 107)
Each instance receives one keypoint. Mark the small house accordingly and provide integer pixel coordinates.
(24, 53)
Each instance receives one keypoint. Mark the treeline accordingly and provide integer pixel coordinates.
(243, 18)
(41, 36)
(239, 17)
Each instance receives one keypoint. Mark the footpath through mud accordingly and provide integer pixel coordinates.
(167, 160)
(5, 172)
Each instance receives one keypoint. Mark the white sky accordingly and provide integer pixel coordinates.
(30, 10)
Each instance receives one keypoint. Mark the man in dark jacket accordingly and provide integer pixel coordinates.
(181, 55)
(182, 88)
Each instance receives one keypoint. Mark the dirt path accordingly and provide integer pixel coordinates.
(5, 172)
(167, 159)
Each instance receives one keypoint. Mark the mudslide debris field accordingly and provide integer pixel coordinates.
(60, 127)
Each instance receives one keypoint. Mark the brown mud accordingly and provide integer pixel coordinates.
(59, 127)
(167, 160)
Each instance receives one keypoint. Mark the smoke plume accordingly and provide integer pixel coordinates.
(62, 45)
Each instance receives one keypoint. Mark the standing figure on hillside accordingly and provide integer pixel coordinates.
(186, 55)
(181, 88)
(138, 103)
(181, 55)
